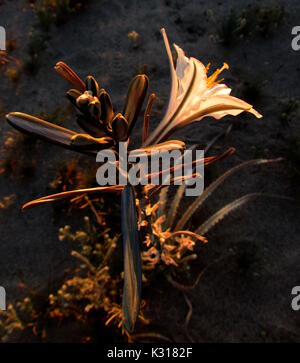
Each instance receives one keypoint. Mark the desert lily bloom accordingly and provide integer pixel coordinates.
(103, 129)
(194, 95)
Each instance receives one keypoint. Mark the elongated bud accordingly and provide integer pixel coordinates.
(72, 96)
(83, 101)
(66, 72)
(107, 111)
(88, 142)
(92, 85)
(135, 98)
(94, 128)
(42, 129)
(95, 108)
(120, 127)
(147, 117)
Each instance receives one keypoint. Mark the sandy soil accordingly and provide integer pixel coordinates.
(233, 302)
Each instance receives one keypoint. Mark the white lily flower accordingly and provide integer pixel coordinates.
(194, 95)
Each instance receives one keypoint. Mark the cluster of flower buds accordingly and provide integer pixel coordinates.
(97, 117)
(102, 128)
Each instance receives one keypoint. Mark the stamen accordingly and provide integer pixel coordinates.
(112, 318)
(212, 80)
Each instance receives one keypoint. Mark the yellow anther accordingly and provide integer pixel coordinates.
(212, 80)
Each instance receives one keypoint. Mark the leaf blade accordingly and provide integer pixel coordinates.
(72, 193)
(132, 260)
(230, 207)
(208, 191)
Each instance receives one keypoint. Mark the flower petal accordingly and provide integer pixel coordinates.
(189, 79)
(194, 96)
(217, 107)
(164, 146)
(217, 90)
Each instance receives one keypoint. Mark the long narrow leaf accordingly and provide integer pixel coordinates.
(175, 204)
(163, 200)
(229, 208)
(208, 191)
(168, 172)
(164, 146)
(177, 198)
(179, 194)
(72, 193)
(181, 189)
(217, 137)
(132, 260)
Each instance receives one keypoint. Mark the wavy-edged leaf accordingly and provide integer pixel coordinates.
(212, 159)
(163, 195)
(164, 189)
(229, 208)
(177, 198)
(174, 205)
(72, 193)
(208, 191)
(181, 189)
(186, 233)
(217, 137)
(168, 172)
(163, 198)
(132, 260)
